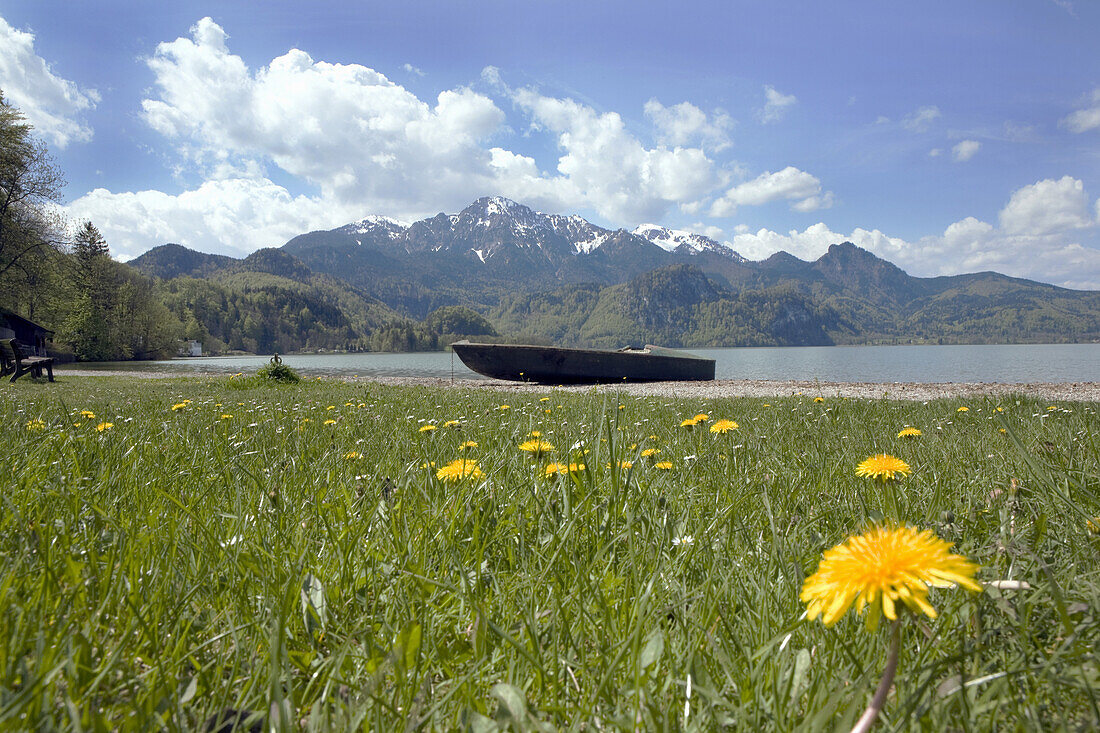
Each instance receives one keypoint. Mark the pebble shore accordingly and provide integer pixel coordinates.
(719, 388)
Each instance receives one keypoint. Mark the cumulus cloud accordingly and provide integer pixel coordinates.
(965, 150)
(802, 189)
(51, 104)
(612, 169)
(231, 216)
(368, 145)
(922, 119)
(1086, 118)
(412, 70)
(685, 124)
(776, 105)
(1047, 207)
(1060, 248)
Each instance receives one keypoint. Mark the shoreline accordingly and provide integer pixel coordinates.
(715, 389)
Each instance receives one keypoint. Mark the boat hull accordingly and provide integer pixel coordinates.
(554, 365)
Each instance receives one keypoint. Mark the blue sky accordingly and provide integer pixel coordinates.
(946, 137)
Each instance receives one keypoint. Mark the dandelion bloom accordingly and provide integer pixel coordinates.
(178, 406)
(451, 423)
(561, 468)
(650, 452)
(1093, 525)
(36, 424)
(819, 399)
(468, 444)
(909, 433)
(535, 434)
(964, 408)
(884, 467)
(689, 422)
(330, 422)
(505, 407)
(723, 426)
(458, 470)
(427, 428)
(87, 414)
(663, 465)
(104, 426)
(536, 446)
(880, 567)
(353, 455)
(701, 417)
(226, 416)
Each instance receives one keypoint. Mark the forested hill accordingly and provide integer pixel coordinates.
(376, 283)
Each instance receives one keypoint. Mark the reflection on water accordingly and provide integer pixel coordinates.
(999, 363)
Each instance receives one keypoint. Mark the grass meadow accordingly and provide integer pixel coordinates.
(172, 548)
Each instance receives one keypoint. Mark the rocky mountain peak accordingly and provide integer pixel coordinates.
(684, 242)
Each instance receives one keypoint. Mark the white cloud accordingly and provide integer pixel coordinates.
(920, 120)
(1063, 249)
(614, 171)
(775, 105)
(935, 152)
(51, 104)
(412, 70)
(356, 135)
(685, 124)
(802, 189)
(1047, 207)
(231, 216)
(965, 150)
(1086, 118)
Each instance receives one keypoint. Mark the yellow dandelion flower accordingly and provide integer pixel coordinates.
(650, 452)
(505, 407)
(226, 416)
(883, 466)
(964, 408)
(427, 428)
(819, 399)
(36, 425)
(451, 424)
(999, 409)
(330, 422)
(353, 455)
(689, 422)
(535, 434)
(561, 468)
(881, 567)
(909, 433)
(87, 414)
(701, 417)
(544, 399)
(459, 470)
(663, 465)
(468, 445)
(104, 426)
(178, 406)
(536, 446)
(1093, 525)
(723, 426)
(766, 405)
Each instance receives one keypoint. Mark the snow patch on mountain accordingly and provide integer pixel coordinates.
(683, 242)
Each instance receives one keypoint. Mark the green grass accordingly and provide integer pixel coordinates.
(178, 562)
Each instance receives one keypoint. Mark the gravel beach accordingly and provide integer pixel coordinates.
(1065, 391)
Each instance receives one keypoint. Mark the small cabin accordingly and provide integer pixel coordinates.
(189, 348)
(31, 336)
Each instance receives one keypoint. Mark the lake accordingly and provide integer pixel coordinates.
(986, 363)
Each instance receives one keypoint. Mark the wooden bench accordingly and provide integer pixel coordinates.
(11, 354)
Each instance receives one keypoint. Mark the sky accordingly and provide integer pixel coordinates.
(945, 137)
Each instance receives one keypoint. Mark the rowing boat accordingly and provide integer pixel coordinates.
(559, 365)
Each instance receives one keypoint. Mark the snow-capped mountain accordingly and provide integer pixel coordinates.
(682, 242)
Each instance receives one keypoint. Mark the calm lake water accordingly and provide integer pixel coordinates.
(1011, 363)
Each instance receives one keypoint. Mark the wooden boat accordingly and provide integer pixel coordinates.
(555, 365)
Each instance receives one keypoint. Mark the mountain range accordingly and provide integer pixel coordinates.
(556, 278)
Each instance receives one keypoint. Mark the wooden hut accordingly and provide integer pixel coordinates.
(31, 336)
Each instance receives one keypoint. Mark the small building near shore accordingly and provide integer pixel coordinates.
(189, 348)
(30, 335)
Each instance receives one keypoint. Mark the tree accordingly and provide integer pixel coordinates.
(29, 184)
